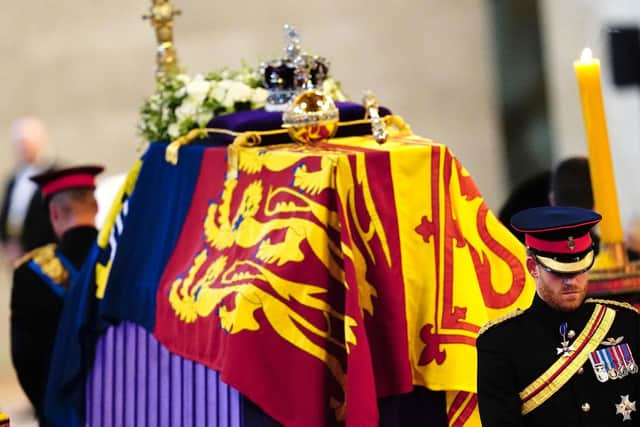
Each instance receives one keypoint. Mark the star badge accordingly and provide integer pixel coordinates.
(625, 407)
(566, 349)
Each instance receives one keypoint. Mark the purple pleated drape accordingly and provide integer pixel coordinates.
(136, 382)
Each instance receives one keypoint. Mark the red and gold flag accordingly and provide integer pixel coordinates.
(319, 279)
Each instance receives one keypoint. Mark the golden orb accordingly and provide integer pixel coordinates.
(311, 116)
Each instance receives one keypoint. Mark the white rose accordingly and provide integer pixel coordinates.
(186, 110)
(259, 97)
(198, 89)
(218, 91)
(203, 117)
(173, 130)
(226, 84)
(238, 92)
(181, 93)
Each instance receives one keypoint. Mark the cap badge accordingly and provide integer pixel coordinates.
(571, 244)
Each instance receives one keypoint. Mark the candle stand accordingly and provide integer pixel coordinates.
(614, 276)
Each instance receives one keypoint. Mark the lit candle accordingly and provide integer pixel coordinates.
(602, 177)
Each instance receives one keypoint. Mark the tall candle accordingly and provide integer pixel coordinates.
(600, 164)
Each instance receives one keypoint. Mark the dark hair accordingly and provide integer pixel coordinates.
(571, 183)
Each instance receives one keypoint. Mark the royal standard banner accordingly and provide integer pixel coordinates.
(315, 279)
(362, 268)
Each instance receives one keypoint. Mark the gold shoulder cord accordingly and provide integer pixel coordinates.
(491, 323)
(45, 257)
(614, 303)
(39, 252)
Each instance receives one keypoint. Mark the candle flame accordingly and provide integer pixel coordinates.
(587, 55)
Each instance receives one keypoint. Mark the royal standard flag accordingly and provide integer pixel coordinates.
(315, 279)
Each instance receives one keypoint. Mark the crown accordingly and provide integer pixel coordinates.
(297, 71)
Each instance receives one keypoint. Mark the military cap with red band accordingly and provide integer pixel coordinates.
(51, 183)
(559, 237)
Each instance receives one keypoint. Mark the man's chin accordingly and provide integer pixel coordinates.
(570, 302)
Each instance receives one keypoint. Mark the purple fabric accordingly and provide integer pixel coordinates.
(264, 120)
(135, 382)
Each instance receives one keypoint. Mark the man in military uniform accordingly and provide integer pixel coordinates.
(42, 276)
(566, 360)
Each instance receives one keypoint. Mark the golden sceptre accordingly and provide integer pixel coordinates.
(161, 16)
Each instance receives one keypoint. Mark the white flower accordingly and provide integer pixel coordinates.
(154, 101)
(183, 78)
(166, 113)
(181, 93)
(173, 130)
(198, 89)
(203, 117)
(218, 91)
(186, 110)
(238, 92)
(259, 97)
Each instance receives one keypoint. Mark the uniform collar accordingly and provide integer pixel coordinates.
(76, 242)
(554, 318)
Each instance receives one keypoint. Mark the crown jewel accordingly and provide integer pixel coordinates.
(297, 71)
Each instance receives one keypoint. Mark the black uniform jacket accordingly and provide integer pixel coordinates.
(39, 283)
(516, 351)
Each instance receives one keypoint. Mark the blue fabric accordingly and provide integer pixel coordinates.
(157, 209)
(72, 353)
(71, 269)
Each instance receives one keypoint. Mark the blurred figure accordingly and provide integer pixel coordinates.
(532, 193)
(571, 184)
(24, 223)
(43, 275)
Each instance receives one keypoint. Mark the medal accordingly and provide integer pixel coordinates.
(609, 365)
(621, 366)
(628, 359)
(625, 407)
(566, 348)
(598, 367)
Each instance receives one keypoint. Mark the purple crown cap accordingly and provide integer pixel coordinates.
(297, 71)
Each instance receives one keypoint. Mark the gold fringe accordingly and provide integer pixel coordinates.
(33, 253)
(491, 323)
(614, 303)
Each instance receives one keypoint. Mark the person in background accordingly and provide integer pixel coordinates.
(571, 184)
(531, 193)
(42, 276)
(24, 223)
(565, 360)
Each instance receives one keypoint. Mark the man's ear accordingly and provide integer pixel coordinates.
(532, 267)
(54, 212)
